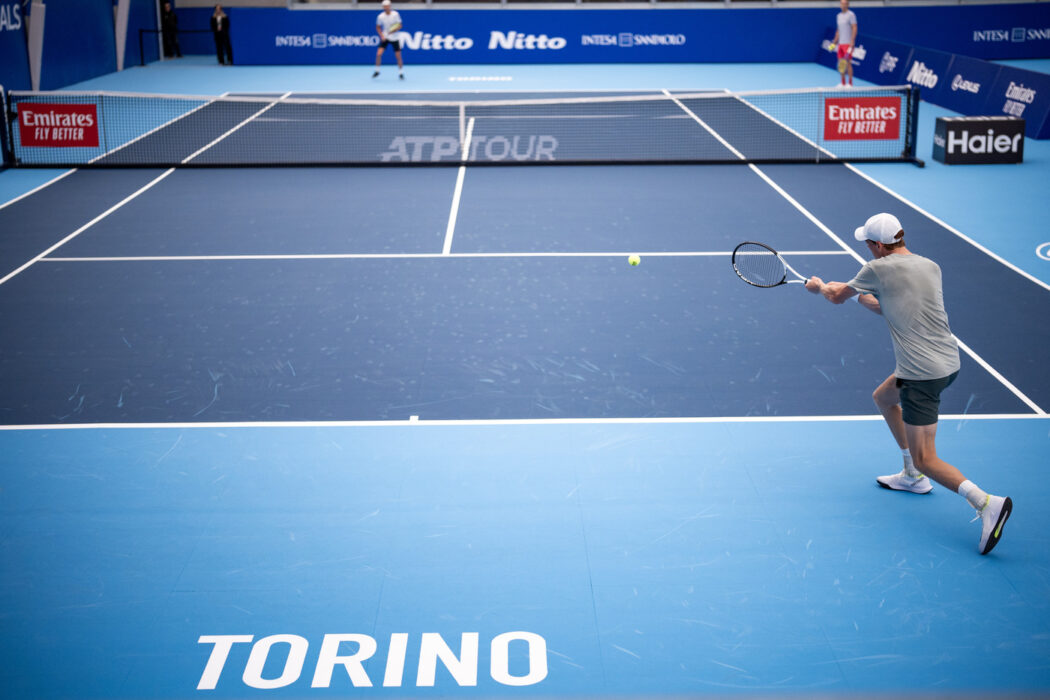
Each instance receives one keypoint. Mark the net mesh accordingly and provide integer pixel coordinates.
(101, 129)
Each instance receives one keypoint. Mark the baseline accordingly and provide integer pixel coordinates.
(496, 422)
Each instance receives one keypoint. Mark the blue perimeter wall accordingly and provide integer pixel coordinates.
(279, 36)
(966, 85)
(79, 41)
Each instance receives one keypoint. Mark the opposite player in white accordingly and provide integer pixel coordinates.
(845, 37)
(388, 25)
(906, 290)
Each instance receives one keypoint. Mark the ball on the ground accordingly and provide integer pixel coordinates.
(634, 259)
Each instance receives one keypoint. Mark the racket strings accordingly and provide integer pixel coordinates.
(759, 265)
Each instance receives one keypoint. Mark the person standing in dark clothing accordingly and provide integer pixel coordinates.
(169, 29)
(220, 29)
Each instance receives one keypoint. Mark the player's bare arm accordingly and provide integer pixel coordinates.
(835, 292)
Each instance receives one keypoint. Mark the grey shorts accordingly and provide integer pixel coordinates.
(921, 398)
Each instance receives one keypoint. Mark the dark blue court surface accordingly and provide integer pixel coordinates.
(98, 339)
(425, 433)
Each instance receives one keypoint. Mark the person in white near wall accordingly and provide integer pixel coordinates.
(845, 37)
(906, 290)
(388, 24)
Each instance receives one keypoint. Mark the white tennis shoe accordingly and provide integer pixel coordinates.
(993, 516)
(903, 482)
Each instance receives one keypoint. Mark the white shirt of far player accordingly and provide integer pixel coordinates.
(385, 20)
(845, 22)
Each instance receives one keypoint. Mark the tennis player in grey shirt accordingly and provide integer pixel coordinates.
(845, 37)
(905, 289)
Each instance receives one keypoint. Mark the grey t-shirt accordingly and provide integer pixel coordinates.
(909, 291)
(845, 21)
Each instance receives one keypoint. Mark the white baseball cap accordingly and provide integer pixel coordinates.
(881, 228)
(386, 3)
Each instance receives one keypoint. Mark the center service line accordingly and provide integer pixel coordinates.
(457, 193)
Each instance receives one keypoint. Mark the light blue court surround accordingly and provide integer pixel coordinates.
(646, 559)
(15, 183)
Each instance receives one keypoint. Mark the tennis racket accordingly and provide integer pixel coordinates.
(761, 266)
(842, 65)
(391, 34)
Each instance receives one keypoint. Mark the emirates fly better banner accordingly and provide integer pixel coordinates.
(862, 118)
(58, 125)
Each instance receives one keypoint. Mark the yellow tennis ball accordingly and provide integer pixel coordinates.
(634, 260)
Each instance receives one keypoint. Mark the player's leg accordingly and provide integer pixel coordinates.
(887, 398)
(922, 439)
(993, 511)
(379, 58)
(400, 63)
(920, 405)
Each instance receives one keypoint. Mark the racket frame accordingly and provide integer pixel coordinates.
(787, 267)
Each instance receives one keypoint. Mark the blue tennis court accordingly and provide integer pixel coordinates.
(423, 432)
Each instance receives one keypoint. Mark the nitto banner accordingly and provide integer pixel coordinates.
(928, 70)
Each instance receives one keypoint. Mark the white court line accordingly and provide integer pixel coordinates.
(38, 188)
(962, 346)
(783, 126)
(410, 256)
(416, 421)
(457, 193)
(156, 129)
(704, 124)
(89, 224)
(777, 188)
(254, 116)
(953, 230)
(108, 153)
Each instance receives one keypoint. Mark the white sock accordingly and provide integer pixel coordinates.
(973, 495)
(909, 466)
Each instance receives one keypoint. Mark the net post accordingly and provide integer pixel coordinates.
(102, 140)
(5, 132)
(913, 126)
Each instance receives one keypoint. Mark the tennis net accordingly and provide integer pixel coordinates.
(106, 129)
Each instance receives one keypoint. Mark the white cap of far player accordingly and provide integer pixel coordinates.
(881, 228)
(386, 3)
